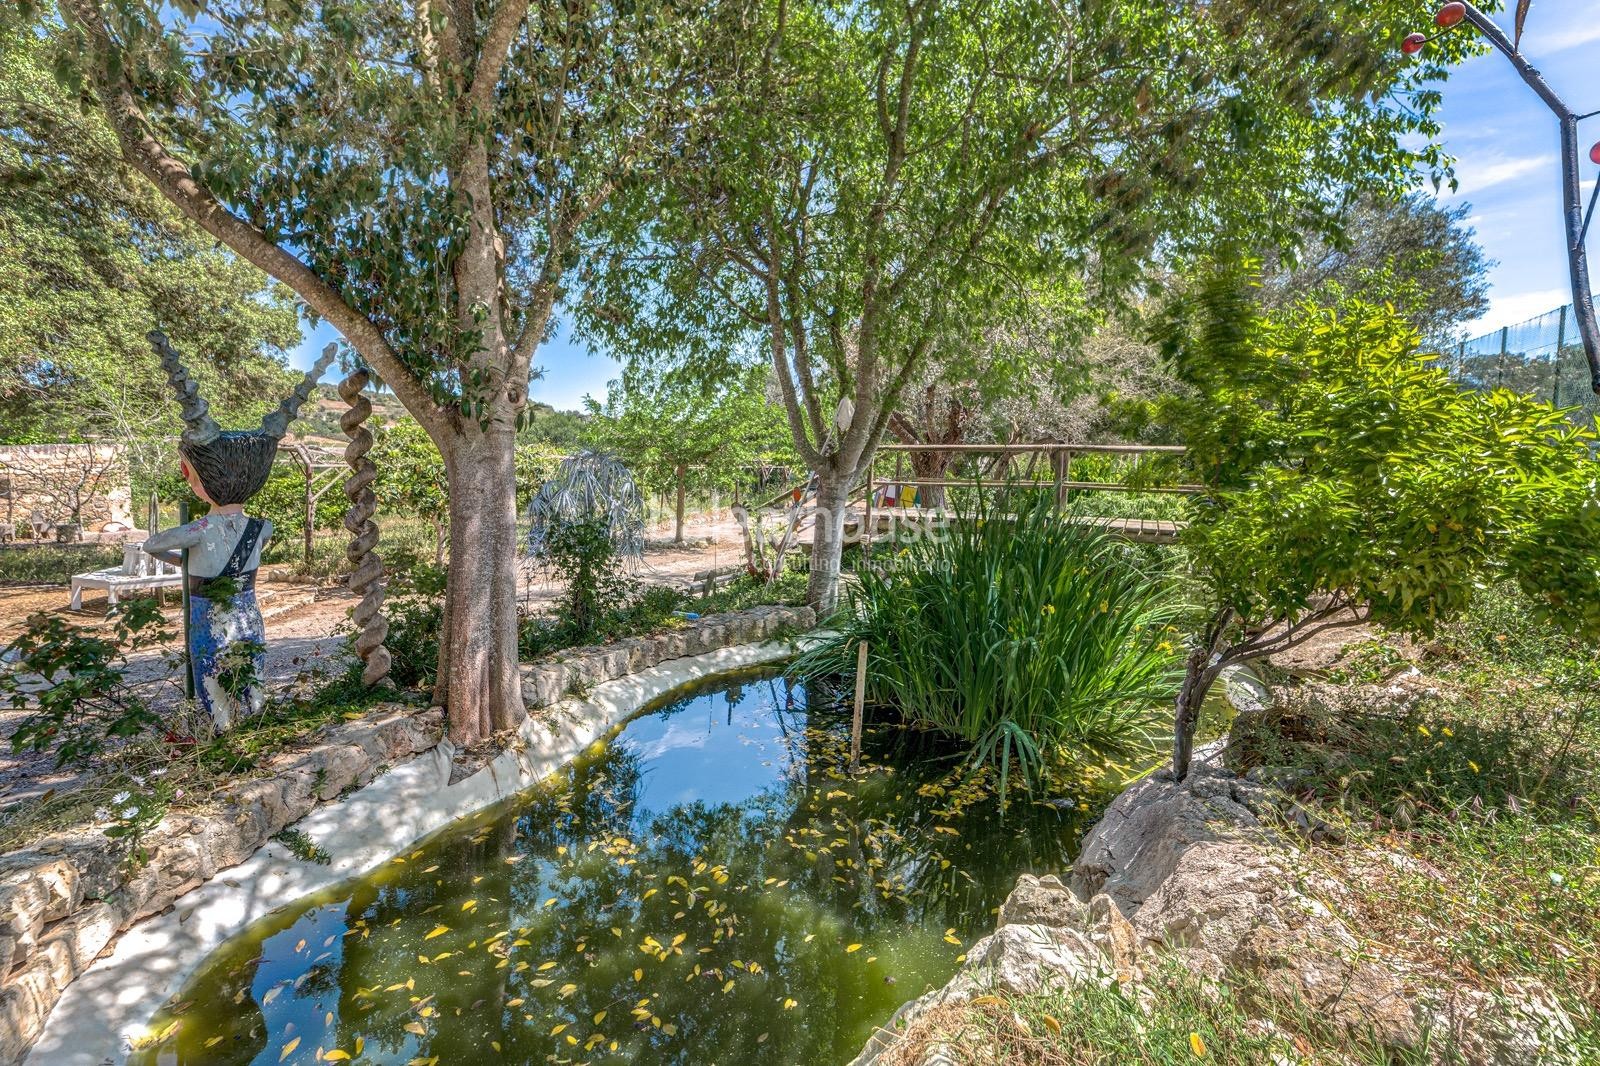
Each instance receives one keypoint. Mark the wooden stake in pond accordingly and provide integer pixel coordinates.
(861, 699)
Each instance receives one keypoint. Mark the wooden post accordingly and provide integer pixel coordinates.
(866, 513)
(860, 706)
(1059, 460)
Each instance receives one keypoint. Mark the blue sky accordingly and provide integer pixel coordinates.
(1504, 141)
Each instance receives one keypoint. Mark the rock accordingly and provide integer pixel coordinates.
(1043, 901)
(1521, 1025)
(1136, 845)
(1014, 959)
(1244, 690)
(1325, 973)
(1115, 936)
(1216, 893)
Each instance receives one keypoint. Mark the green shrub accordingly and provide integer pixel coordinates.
(415, 609)
(601, 603)
(1031, 639)
(54, 564)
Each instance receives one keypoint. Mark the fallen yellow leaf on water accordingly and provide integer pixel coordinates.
(851, 947)
(728, 987)
(469, 904)
(558, 1029)
(360, 1043)
(600, 1017)
(789, 1004)
(337, 1056)
(288, 1049)
(416, 1028)
(1197, 1045)
(495, 1044)
(214, 1041)
(438, 930)
(638, 975)
(543, 966)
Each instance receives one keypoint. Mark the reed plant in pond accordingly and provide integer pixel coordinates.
(1034, 640)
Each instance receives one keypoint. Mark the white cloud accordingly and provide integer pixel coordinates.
(1517, 307)
(1573, 35)
(1476, 176)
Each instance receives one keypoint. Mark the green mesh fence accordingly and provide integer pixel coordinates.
(1541, 357)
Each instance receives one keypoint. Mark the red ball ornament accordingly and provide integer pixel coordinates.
(1413, 44)
(1594, 153)
(1450, 14)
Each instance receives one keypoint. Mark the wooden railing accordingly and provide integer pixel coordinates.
(1002, 473)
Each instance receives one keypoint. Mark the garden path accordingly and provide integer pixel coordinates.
(303, 630)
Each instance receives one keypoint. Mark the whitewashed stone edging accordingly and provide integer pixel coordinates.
(110, 1005)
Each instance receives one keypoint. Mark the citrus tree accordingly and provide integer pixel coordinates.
(1349, 480)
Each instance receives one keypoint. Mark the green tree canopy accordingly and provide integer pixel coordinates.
(425, 177)
(1348, 479)
(91, 260)
(679, 431)
(884, 180)
(1409, 251)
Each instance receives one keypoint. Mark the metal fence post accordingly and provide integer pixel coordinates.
(1561, 342)
(1500, 373)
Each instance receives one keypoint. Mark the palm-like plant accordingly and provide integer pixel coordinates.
(1030, 637)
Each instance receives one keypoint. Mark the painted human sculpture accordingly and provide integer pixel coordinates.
(224, 468)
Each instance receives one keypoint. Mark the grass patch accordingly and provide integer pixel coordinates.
(1179, 1019)
(1484, 792)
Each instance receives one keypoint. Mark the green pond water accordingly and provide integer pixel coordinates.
(710, 886)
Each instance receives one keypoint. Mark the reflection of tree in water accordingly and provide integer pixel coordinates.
(725, 912)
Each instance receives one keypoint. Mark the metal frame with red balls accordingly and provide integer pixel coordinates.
(1577, 218)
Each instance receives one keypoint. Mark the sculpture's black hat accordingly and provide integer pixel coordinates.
(231, 464)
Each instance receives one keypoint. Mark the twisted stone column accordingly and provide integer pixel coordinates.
(366, 569)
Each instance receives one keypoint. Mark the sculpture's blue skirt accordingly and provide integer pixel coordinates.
(226, 648)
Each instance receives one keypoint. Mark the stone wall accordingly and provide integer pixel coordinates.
(64, 898)
(49, 480)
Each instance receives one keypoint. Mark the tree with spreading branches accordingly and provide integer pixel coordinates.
(887, 179)
(423, 174)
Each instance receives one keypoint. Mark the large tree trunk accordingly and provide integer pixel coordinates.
(931, 466)
(478, 676)
(827, 544)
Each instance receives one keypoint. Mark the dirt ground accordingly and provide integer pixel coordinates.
(304, 630)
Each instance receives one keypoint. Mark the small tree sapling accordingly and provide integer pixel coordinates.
(1349, 480)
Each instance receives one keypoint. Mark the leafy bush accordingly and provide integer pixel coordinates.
(1029, 638)
(70, 683)
(414, 606)
(601, 603)
(1348, 478)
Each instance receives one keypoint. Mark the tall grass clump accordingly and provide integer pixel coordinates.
(1033, 640)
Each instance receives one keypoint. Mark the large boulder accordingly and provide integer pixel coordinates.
(1135, 847)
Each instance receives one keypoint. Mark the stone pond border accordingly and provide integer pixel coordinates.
(365, 791)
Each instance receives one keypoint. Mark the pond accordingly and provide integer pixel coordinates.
(710, 886)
